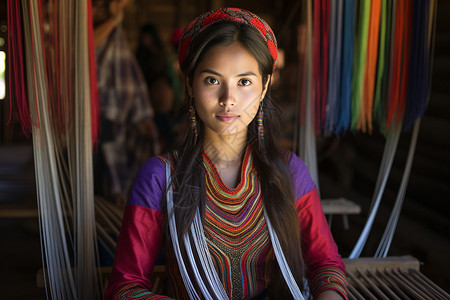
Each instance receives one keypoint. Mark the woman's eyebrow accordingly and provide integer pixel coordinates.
(249, 73)
(209, 71)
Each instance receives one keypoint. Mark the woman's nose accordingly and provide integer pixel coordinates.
(227, 97)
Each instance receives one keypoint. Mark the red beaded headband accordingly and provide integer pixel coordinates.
(231, 14)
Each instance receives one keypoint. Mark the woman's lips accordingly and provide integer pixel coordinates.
(227, 118)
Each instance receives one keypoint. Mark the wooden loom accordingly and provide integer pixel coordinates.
(390, 278)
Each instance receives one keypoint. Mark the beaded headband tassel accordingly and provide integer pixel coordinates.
(230, 14)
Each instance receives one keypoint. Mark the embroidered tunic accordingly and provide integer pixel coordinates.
(235, 231)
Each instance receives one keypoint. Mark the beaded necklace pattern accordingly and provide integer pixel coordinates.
(237, 235)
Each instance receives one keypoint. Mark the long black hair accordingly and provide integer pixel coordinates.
(271, 167)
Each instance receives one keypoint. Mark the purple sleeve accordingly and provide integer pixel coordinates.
(302, 181)
(150, 185)
(140, 236)
(326, 271)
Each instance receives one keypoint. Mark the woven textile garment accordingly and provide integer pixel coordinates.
(235, 231)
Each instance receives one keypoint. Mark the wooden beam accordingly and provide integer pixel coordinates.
(19, 213)
(340, 206)
(393, 262)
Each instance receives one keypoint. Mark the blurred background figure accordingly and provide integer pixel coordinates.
(161, 73)
(127, 135)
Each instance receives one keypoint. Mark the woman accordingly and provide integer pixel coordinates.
(235, 217)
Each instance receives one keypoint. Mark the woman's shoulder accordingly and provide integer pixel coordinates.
(301, 177)
(293, 160)
(158, 163)
(150, 183)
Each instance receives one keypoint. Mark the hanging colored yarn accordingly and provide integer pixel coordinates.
(383, 60)
(359, 61)
(374, 67)
(343, 122)
(371, 63)
(15, 70)
(56, 58)
(52, 78)
(334, 65)
(365, 118)
(419, 61)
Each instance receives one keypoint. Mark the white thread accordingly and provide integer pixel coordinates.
(284, 267)
(173, 234)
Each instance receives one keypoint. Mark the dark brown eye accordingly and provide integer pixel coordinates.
(244, 82)
(211, 80)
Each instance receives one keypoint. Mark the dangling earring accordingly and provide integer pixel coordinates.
(193, 121)
(260, 127)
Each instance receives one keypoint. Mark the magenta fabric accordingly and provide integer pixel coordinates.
(319, 248)
(137, 249)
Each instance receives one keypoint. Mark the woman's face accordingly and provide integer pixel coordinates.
(227, 89)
